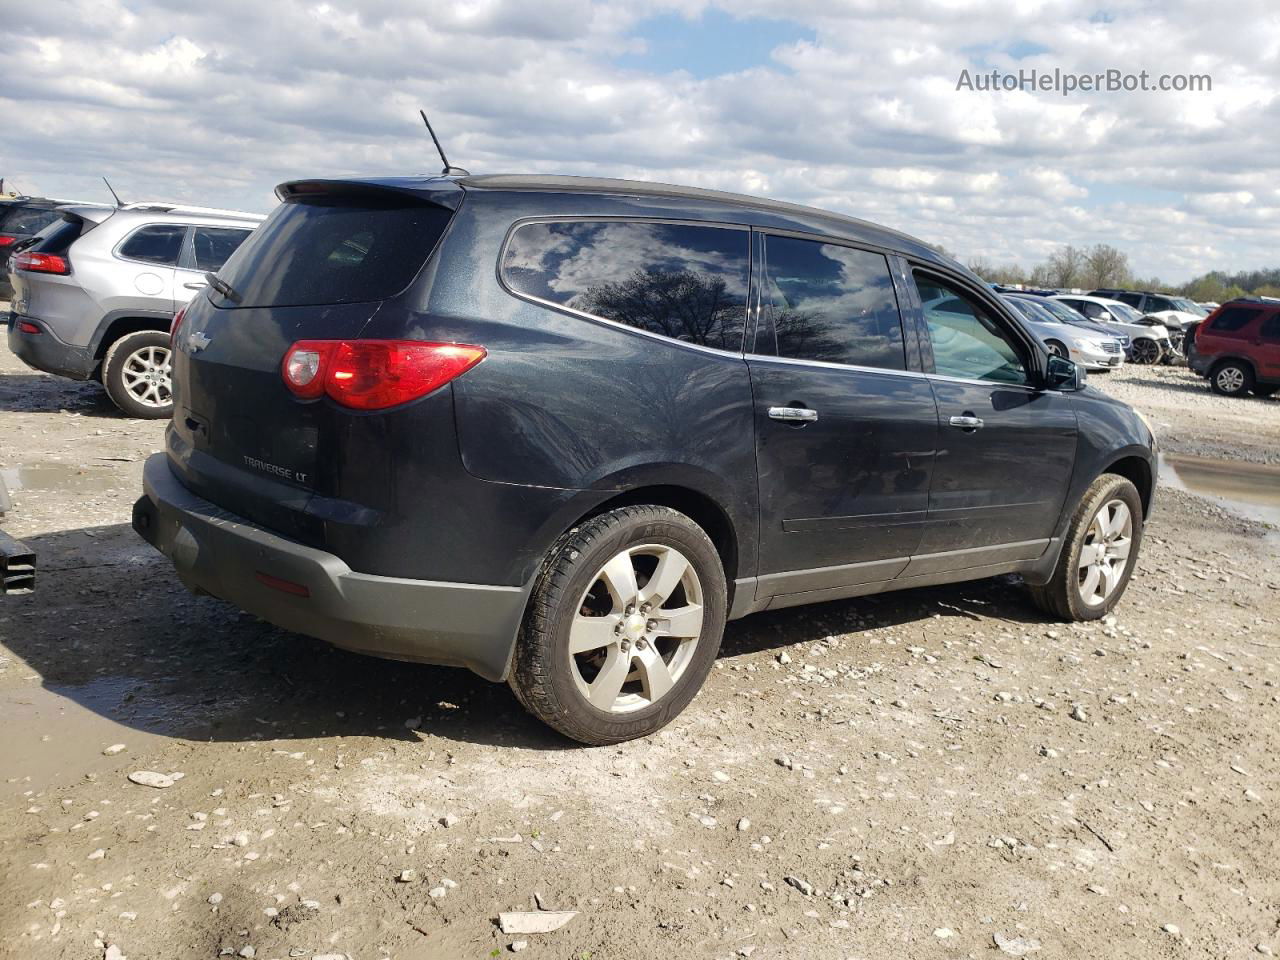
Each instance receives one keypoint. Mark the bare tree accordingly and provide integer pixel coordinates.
(1105, 266)
(1065, 267)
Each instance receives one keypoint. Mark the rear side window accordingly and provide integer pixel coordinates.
(159, 243)
(214, 245)
(1132, 299)
(682, 281)
(1271, 329)
(333, 249)
(831, 303)
(1231, 319)
(29, 220)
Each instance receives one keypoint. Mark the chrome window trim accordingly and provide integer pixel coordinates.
(582, 314)
(830, 365)
(989, 383)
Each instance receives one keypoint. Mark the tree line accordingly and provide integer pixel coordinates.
(1102, 265)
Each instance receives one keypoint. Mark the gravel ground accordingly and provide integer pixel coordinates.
(938, 773)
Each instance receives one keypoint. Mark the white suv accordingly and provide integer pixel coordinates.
(1149, 340)
(95, 296)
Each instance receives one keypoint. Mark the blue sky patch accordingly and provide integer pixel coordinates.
(710, 45)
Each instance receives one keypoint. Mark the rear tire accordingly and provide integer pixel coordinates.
(136, 373)
(1105, 529)
(1231, 378)
(623, 626)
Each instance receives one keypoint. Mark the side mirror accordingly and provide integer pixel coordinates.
(1063, 374)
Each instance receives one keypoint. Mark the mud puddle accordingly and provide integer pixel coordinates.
(51, 476)
(55, 734)
(1249, 489)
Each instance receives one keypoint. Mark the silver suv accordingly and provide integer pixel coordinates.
(95, 296)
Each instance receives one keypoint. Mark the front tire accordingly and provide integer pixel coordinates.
(623, 626)
(136, 373)
(1099, 554)
(1146, 351)
(1231, 379)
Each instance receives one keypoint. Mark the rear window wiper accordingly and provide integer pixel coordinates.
(222, 287)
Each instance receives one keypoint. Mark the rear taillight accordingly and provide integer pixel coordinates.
(177, 322)
(7, 241)
(374, 374)
(41, 263)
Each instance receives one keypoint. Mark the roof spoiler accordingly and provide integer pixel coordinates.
(441, 191)
(94, 213)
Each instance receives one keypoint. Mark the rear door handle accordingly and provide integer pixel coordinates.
(793, 414)
(967, 422)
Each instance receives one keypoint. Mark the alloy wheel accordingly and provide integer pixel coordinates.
(146, 376)
(636, 628)
(1145, 350)
(1229, 379)
(1104, 556)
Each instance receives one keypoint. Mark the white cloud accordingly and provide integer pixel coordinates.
(217, 103)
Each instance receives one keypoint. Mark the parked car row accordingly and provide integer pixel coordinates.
(95, 292)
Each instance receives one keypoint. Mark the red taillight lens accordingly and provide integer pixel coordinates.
(26, 326)
(374, 374)
(41, 263)
(7, 241)
(177, 322)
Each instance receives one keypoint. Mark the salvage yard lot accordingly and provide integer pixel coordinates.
(935, 773)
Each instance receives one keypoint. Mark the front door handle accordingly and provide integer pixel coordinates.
(793, 414)
(967, 422)
(194, 285)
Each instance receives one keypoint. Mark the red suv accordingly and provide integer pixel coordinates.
(1238, 347)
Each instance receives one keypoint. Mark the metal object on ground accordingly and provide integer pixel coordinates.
(17, 566)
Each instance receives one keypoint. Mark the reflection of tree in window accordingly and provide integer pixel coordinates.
(681, 281)
(833, 303)
(683, 306)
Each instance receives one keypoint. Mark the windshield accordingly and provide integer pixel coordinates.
(1124, 312)
(1062, 312)
(1033, 310)
(1186, 306)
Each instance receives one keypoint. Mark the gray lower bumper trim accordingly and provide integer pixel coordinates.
(463, 624)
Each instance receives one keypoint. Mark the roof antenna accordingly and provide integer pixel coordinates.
(448, 170)
(119, 202)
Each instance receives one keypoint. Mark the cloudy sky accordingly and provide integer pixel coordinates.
(845, 104)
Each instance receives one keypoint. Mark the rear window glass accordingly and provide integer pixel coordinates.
(213, 245)
(56, 238)
(160, 243)
(681, 281)
(324, 250)
(27, 221)
(1232, 318)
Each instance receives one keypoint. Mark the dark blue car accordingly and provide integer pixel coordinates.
(560, 430)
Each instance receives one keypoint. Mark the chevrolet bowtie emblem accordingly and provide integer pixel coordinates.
(197, 341)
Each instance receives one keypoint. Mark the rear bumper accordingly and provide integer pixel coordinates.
(217, 552)
(44, 351)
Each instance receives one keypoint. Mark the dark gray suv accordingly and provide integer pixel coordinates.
(560, 430)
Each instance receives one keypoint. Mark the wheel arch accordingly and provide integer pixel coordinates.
(1137, 470)
(1222, 358)
(116, 325)
(698, 506)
